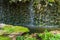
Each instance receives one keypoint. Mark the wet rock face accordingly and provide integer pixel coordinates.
(46, 15)
(16, 13)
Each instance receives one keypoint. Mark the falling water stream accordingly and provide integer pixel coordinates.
(31, 14)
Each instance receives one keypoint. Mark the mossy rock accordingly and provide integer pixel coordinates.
(10, 29)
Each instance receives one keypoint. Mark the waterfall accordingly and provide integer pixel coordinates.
(31, 14)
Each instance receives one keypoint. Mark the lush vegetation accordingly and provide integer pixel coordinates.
(4, 38)
(9, 29)
(49, 36)
(42, 36)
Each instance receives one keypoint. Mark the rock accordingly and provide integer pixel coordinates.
(55, 32)
(2, 25)
(2, 32)
(14, 35)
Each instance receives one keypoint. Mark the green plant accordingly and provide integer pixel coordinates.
(49, 36)
(19, 38)
(25, 38)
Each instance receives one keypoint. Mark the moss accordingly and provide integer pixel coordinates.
(4, 38)
(10, 29)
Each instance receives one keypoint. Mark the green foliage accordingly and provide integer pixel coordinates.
(4, 38)
(45, 36)
(49, 36)
(9, 29)
(20, 38)
(25, 38)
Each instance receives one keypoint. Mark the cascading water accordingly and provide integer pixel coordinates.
(31, 14)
